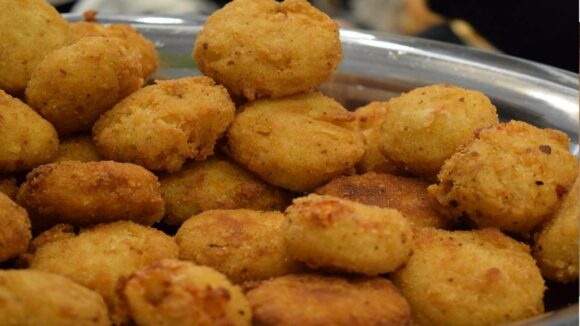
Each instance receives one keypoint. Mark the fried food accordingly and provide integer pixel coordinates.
(243, 244)
(338, 234)
(27, 139)
(99, 256)
(470, 278)
(74, 85)
(297, 143)
(29, 30)
(8, 186)
(89, 193)
(15, 229)
(510, 177)
(309, 300)
(162, 125)
(262, 48)
(79, 148)
(216, 184)
(36, 298)
(369, 119)
(132, 39)
(409, 196)
(556, 246)
(173, 292)
(424, 127)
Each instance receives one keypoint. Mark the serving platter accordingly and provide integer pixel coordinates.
(379, 66)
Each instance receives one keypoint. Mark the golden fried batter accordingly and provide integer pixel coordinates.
(88, 193)
(132, 39)
(172, 292)
(243, 244)
(14, 229)
(36, 298)
(74, 85)
(510, 177)
(78, 148)
(424, 127)
(216, 184)
(470, 278)
(313, 300)
(409, 196)
(369, 119)
(29, 30)
(162, 125)
(556, 247)
(27, 140)
(298, 142)
(338, 234)
(260, 48)
(8, 186)
(99, 256)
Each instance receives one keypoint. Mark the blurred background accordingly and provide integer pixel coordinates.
(539, 30)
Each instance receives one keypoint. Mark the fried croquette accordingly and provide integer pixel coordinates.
(424, 127)
(309, 300)
(369, 119)
(243, 244)
(78, 148)
(15, 229)
(99, 256)
(8, 186)
(263, 48)
(477, 277)
(342, 235)
(82, 194)
(407, 195)
(556, 246)
(37, 298)
(132, 39)
(510, 177)
(297, 143)
(27, 139)
(216, 184)
(29, 30)
(72, 86)
(173, 292)
(162, 125)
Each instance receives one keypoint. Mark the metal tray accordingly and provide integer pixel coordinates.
(378, 66)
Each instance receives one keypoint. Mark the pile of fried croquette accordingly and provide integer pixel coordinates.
(246, 197)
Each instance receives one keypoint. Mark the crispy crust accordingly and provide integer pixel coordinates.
(338, 234)
(172, 292)
(74, 85)
(309, 300)
(556, 245)
(216, 184)
(470, 277)
(409, 196)
(28, 140)
(29, 30)
(424, 127)
(510, 177)
(99, 256)
(297, 142)
(243, 244)
(132, 39)
(15, 231)
(89, 193)
(37, 298)
(79, 148)
(369, 119)
(262, 48)
(162, 125)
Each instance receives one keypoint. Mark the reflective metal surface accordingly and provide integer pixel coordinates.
(379, 66)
